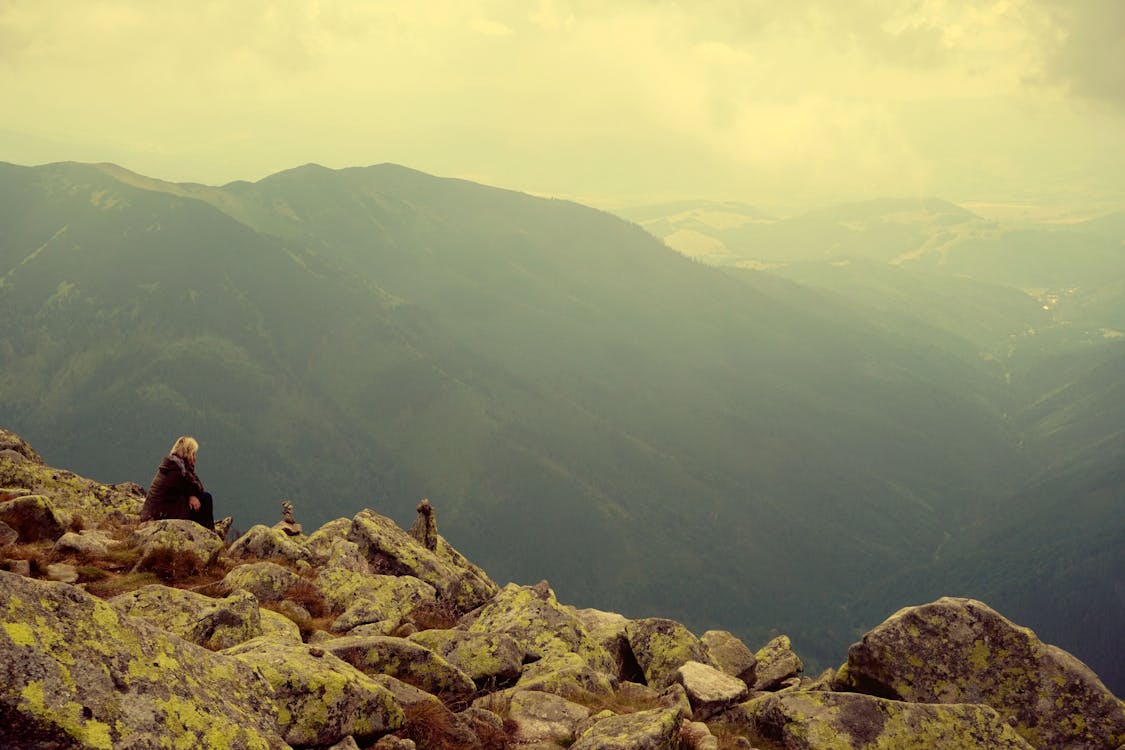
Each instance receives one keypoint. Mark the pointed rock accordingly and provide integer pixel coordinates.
(776, 663)
(962, 651)
(730, 654)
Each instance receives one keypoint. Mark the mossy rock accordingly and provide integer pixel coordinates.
(661, 646)
(730, 654)
(174, 537)
(264, 542)
(76, 673)
(534, 619)
(378, 598)
(278, 627)
(33, 517)
(487, 658)
(566, 675)
(798, 720)
(214, 624)
(389, 549)
(608, 629)
(406, 661)
(776, 663)
(962, 651)
(320, 699)
(267, 581)
(319, 543)
(656, 729)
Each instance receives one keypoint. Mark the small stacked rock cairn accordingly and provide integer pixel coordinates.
(424, 528)
(288, 524)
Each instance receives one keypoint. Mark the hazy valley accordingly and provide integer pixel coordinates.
(814, 422)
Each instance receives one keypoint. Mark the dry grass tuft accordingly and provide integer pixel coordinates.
(306, 594)
(434, 727)
(437, 615)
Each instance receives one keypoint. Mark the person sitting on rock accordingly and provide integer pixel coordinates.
(176, 492)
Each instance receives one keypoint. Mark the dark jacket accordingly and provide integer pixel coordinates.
(170, 489)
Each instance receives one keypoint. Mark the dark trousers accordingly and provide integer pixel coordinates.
(205, 516)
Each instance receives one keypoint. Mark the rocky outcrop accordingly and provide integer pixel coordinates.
(840, 721)
(320, 699)
(160, 662)
(76, 673)
(962, 651)
(33, 518)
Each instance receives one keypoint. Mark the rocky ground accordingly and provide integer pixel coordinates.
(120, 634)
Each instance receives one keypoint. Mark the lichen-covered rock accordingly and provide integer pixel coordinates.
(695, 735)
(662, 646)
(320, 541)
(708, 689)
(656, 729)
(390, 549)
(608, 629)
(406, 661)
(428, 720)
(380, 598)
(566, 675)
(264, 542)
(33, 517)
(961, 651)
(730, 654)
(542, 717)
(487, 658)
(75, 673)
(174, 537)
(320, 699)
(267, 581)
(278, 627)
(534, 619)
(776, 664)
(22, 467)
(850, 721)
(88, 543)
(214, 624)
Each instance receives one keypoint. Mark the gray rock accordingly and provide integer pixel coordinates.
(487, 658)
(8, 535)
(186, 543)
(542, 717)
(608, 629)
(10, 441)
(662, 646)
(33, 517)
(776, 664)
(267, 581)
(264, 542)
(406, 661)
(828, 721)
(695, 735)
(214, 624)
(656, 729)
(88, 543)
(320, 699)
(708, 689)
(62, 572)
(76, 673)
(962, 651)
(730, 654)
(373, 598)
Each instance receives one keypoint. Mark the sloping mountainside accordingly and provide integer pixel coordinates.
(579, 402)
(116, 633)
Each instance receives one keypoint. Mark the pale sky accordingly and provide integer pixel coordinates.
(775, 103)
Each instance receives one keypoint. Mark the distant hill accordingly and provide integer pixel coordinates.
(650, 433)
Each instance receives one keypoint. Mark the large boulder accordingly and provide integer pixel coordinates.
(542, 717)
(263, 542)
(320, 543)
(33, 517)
(776, 663)
(267, 581)
(320, 699)
(89, 543)
(377, 598)
(730, 654)
(76, 673)
(534, 619)
(487, 658)
(389, 549)
(566, 675)
(797, 720)
(214, 624)
(661, 646)
(175, 543)
(961, 651)
(708, 689)
(608, 629)
(406, 661)
(655, 729)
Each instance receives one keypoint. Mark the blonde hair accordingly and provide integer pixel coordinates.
(185, 447)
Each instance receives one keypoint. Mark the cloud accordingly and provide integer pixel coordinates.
(1085, 48)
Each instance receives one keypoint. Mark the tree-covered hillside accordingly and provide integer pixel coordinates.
(580, 403)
